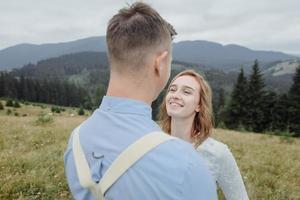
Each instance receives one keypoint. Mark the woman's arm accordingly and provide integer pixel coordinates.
(229, 178)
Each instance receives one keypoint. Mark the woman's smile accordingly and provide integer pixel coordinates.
(175, 104)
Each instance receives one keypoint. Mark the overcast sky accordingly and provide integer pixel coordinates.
(257, 24)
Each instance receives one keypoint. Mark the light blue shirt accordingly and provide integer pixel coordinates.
(173, 170)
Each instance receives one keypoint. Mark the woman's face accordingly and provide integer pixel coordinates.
(182, 100)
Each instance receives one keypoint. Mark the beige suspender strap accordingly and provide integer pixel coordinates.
(130, 155)
(120, 165)
(82, 167)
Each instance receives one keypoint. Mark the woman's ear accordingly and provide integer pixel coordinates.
(198, 108)
(160, 62)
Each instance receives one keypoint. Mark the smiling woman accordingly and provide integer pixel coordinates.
(189, 90)
(186, 113)
(182, 101)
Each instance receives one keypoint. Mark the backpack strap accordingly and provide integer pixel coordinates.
(119, 166)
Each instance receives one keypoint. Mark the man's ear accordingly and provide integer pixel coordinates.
(160, 62)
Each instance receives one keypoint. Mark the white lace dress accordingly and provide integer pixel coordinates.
(224, 169)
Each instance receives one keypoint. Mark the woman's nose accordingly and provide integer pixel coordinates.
(176, 95)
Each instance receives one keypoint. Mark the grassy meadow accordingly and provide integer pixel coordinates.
(32, 146)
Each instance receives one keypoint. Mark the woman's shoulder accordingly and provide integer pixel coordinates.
(214, 147)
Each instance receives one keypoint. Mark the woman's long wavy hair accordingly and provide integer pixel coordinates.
(203, 121)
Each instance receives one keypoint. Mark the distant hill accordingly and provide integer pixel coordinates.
(19, 55)
(280, 75)
(226, 57)
(283, 68)
(210, 54)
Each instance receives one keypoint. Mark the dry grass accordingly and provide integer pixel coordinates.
(270, 165)
(31, 158)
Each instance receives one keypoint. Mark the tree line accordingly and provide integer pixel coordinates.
(254, 108)
(52, 91)
(251, 106)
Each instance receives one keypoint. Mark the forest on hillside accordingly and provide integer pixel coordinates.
(240, 101)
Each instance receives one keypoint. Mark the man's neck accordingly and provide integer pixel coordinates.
(182, 127)
(120, 86)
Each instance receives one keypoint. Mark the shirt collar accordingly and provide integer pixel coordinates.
(125, 105)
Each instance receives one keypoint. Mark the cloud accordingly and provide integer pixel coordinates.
(256, 24)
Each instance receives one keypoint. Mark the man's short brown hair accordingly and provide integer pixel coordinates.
(133, 31)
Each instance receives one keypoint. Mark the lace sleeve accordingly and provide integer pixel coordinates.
(229, 178)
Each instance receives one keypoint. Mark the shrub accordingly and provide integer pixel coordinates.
(286, 139)
(81, 111)
(283, 133)
(222, 125)
(44, 119)
(55, 109)
(9, 103)
(1, 106)
(8, 112)
(43, 106)
(16, 104)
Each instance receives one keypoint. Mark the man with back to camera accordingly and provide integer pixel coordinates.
(139, 45)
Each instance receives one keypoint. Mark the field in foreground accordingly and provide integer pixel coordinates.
(31, 157)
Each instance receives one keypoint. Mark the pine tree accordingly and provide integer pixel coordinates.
(280, 114)
(236, 111)
(219, 110)
(10, 86)
(29, 90)
(22, 89)
(255, 100)
(294, 105)
(37, 89)
(269, 110)
(156, 105)
(221, 102)
(2, 93)
(99, 93)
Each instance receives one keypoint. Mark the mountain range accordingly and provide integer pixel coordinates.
(90, 69)
(210, 54)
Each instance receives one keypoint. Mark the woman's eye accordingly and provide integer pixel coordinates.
(187, 92)
(172, 89)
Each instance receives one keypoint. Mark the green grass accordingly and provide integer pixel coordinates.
(31, 157)
(270, 165)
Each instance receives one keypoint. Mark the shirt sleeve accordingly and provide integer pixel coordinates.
(229, 178)
(198, 183)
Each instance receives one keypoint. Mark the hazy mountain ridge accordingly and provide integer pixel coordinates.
(20, 55)
(228, 57)
(91, 68)
(211, 54)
